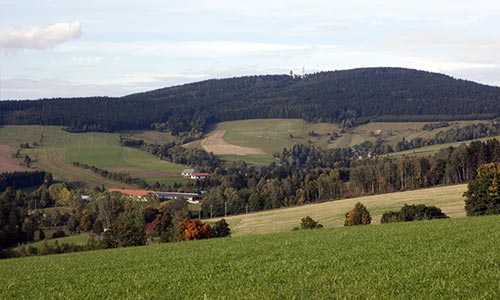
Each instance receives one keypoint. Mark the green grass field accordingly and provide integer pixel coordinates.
(249, 159)
(430, 150)
(449, 198)
(59, 148)
(77, 239)
(272, 135)
(441, 259)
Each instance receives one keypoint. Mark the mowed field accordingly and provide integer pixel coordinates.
(257, 140)
(7, 162)
(332, 214)
(440, 259)
(58, 148)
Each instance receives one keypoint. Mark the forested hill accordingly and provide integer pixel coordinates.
(349, 96)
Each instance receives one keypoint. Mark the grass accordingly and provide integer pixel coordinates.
(77, 239)
(332, 213)
(430, 150)
(59, 148)
(272, 135)
(249, 159)
(442, 259)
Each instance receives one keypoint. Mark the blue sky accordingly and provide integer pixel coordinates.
(113, 48)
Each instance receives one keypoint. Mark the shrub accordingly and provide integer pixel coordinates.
(359, 215)
(194, 230)
(59, 233)
(413, 213)
(309, 223)
(221, 229)
(390, 217)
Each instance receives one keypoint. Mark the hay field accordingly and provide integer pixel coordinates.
(332, 214)
(216, 144)
(7, 162)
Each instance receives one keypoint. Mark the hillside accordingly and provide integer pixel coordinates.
(56, 149)
(332, 213)
(249, 139)
(441, 259)
(350, 96)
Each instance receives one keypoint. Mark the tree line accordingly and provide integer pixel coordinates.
(22, 179)
(300, 178)
(349, 97)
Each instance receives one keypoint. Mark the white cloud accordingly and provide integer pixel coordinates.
(87, 61)
(12, 40)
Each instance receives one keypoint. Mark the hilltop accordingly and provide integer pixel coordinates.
(349, 97)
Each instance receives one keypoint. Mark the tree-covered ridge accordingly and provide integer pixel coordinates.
(350, 96)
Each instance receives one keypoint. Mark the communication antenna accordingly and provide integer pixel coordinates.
(303, 72)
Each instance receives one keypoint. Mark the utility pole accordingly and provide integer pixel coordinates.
(225, 209)
(246, 210)
(211, 210)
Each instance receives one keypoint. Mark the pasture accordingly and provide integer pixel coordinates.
(57, 149)
(268, 136)
(440, 259)
(332, 213)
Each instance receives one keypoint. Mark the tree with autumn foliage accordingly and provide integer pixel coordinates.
(194, 230)
(483, 193)
(359, 215)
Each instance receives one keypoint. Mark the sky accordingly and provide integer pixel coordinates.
(52, 48)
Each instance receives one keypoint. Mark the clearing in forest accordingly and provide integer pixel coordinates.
(216, 144)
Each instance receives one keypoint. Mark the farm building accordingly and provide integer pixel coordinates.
(200, 175)
(163, 196)
(187, 173)
(136, 193)
(190, 197)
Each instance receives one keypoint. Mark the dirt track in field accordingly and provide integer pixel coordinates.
(7, 163)
(216, 144)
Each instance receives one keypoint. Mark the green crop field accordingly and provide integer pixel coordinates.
(449, 198)
(272, 135)
(441, 259)
(59, 148)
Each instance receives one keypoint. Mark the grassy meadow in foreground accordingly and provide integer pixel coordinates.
(441, 259)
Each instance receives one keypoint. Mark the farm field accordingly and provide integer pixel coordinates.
(430, 150)
(7, 162)
(76, 239)
(268, 136)
(58, 148)
(440, 259)
(332, 213)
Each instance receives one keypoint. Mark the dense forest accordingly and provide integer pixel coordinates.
(349, 97)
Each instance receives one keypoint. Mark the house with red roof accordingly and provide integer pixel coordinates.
(200, 175)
